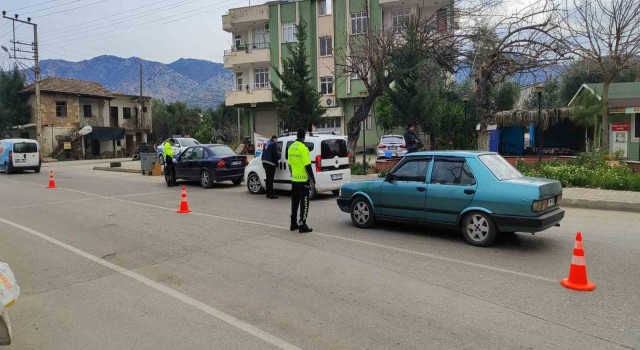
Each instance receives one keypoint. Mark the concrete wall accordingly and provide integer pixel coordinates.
(99, 112)
(48, 109)
(49, 142)
(266, 122)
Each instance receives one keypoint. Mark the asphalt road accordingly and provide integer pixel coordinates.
(104, 262)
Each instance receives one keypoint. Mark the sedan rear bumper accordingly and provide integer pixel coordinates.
(507, 223)
(227, 174)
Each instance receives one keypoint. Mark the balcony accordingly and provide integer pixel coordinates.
(251, 96)
(245, 54)
(245, 16)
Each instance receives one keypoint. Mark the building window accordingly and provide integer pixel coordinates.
(359, 23)
(61, 109)
(261, 78)
(330, 123)
(399, 17)
(324, 7)
(237, 42)
(239, 81)
(637, 132)
(126, 112)
(326, 48)
(144, 109)
(442, 20)
(135, 112)
(289, 32)
(260, 39)
(87, 111)
(326, 85)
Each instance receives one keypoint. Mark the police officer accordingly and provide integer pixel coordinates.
(270, 158)
(301, 175)
(168, 162)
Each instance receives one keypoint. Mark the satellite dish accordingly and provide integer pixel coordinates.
(86, 130)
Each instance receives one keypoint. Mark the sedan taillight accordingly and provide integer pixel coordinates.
(403, 146)
(382, 146)
(220, 164)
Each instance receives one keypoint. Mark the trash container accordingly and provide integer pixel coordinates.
(147, 162)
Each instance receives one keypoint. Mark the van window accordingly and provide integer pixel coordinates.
(25, 147)
(333, 148)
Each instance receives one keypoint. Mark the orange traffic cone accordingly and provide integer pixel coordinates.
(52, 182)
(578, 279)
(184, 205)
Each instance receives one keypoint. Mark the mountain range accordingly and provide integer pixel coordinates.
(197, 82)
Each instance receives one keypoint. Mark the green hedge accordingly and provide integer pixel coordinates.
(579, 173)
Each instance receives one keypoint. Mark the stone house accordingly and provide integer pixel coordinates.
(68, 105)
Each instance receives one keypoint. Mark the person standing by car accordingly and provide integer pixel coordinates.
(301, 174)
(168, 162)
(270, 157)
(411, 139)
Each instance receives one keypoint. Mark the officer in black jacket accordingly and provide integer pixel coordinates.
(270, 158)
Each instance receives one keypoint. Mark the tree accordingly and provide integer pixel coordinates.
(605, 34)
(298, 102)
(386, 118)
(506, 95)
(368, 57)
(586, 112)
(525, 42)
(14, 109)
(218, 125)
(174, 119)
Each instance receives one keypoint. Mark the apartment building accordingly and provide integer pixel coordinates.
(261, 33)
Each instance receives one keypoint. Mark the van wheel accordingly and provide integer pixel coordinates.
(37, 170)
(313, 193)
(254, 185)
(478, 229)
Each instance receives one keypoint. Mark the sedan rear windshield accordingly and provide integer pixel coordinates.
(392, 139)
(221, 151)
(500, 167)
(25, 147)
(333, 148)
(189, 142)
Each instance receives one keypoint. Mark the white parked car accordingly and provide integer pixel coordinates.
(392, 146)
(181, 144)
(329, 160)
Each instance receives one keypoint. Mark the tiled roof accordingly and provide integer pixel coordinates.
(71, 86)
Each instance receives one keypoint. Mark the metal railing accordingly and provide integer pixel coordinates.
(247, 47)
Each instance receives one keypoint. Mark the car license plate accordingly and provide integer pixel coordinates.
(335, 177)
(21, 160)
(393, 147)
(551, 202)
(236, 163)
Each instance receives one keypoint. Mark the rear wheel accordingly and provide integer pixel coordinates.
(478, 229)
(362, 213)
(237, 181)
(254, 185)
(37, 170)
(205, 179)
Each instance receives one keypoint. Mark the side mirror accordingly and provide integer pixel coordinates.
(388, 177)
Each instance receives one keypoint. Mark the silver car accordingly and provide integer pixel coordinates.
(392, 146)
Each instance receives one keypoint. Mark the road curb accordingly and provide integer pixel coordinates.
(600, 204)
(118, 170)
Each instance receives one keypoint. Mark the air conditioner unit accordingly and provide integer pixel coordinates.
(330, 102)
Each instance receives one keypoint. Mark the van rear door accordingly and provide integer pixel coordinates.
(25, 154)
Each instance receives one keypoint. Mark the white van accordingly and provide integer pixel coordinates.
(19, 154)
(329, 160)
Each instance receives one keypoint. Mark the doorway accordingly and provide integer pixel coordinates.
(129, 145)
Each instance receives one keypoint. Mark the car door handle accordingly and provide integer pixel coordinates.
(469, 192)
(421, 189)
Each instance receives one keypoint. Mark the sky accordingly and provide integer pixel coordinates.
(157, 30)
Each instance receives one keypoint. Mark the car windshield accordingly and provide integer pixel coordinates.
(221, 151)
(25, 147)
(189, 142)
(392, 139)
(500, 168)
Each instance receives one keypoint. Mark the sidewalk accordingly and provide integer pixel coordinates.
(571, 197)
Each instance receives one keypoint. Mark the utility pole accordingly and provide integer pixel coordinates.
(140, 116)
(36, 65)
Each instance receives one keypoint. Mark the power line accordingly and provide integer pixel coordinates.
(120, 20)
(52, 7)
(26, 7)
(65, 29)
(74, 8)
(155, 25)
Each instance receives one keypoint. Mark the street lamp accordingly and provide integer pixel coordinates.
(539, 90)
(465, 99)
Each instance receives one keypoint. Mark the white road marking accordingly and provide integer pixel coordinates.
(353, 240)
(256, 332)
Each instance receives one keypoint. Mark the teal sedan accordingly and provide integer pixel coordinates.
(479, 192)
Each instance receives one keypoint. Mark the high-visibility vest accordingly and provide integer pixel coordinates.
(299, 158)
(168, 149)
